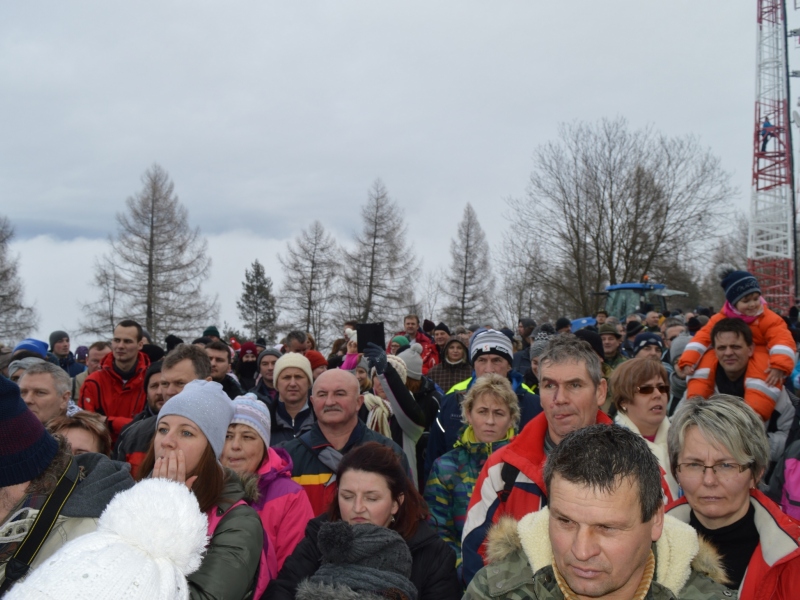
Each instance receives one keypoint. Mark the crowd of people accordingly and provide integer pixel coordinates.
(654, 457)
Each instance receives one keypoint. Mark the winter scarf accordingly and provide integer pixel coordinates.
(731, 312)
(379, 412)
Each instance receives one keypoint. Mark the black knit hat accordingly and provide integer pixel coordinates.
(593, 339)
(442, 327)
(632, 329)
(26, 449)
(563, 322)
(57, 336)
(172, 341)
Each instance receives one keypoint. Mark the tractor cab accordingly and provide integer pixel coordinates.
(623, 299)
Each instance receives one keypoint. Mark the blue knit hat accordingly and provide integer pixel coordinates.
(33, 345)
(738, 284)
(26, 449)
(646, 339)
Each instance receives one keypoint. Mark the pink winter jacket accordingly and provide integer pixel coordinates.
(282, 504)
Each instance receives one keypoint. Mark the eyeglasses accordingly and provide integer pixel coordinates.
(649, 389)
(723, 470)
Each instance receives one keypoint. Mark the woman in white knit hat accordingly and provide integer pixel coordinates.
(190, 436)
(282, 503)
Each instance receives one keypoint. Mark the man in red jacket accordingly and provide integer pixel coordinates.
(117, 389)
(572, 390)
(430, 356)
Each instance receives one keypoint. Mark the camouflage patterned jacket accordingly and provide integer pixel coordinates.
(687, 568)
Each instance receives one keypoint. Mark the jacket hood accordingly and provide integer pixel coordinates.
(679, 550)
(238, 488)
(468, 443)
(103, 478)
(465, 358)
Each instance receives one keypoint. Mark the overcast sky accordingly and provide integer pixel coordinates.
(270, 114)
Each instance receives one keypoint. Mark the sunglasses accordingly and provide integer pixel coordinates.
(649, 389)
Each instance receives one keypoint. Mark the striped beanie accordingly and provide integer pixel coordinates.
(249, 410)
(490, 341)
(26, 449)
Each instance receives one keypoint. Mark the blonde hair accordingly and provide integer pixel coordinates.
(493, 385)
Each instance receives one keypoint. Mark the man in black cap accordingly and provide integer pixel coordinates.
(612, 340)
(441, 335)
(44, 503)
(563, 325)
(59, 345)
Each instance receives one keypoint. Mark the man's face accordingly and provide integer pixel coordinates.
(95, 358)
(650, 351)
(440, 337)
(611, 344)
(125, 346)
(39, 393)
(296, 346)
(491, 363)
(732, 352)
(175, 378)
(267, 368)
(220, 363)
(671, 333)
(600, 544)
(411, 326)
(569, 398)
(336, 398)
(292, 385)
(652, 319)
(61, 347)
(601, 318)
(155, 397)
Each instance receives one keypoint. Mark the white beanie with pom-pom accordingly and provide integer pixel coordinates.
(148, 539)
(413, 360)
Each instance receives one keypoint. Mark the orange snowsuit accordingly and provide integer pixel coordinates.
(774, 347)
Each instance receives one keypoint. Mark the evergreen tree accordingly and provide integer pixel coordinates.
(469, 282)
(257, 303)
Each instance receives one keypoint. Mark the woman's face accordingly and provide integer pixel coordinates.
(362, 376)
(394, 347)
(365, 498)
(490, 418)
(244, 449)
(455, 352)
(80, 440)
(716, 499)
(179, 433)
(648, 408)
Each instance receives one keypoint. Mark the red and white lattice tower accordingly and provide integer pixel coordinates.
(770, 249)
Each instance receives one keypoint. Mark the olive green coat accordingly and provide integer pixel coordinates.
(687, 568)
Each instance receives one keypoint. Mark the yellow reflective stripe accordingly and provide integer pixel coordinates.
(318, 479)
(460, 386)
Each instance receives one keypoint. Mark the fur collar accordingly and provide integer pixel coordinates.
(679, 550)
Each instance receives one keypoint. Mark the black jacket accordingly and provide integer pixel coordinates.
(433, 566)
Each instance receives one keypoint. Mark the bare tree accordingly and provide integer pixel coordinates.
(381, 270)
(430, 294)
(102, 315)
(160, 263)
(310, 268)
(519, 295)
(612, 204)
(16, 318)
(257, 304)
(730, 249)
(468, 283)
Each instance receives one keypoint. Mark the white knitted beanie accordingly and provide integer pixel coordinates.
(413, 360)
(148, 539)
(292, 359)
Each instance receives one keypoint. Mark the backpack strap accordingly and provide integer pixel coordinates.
(509, 476)
(20, 563)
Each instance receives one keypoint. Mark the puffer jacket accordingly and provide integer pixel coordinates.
(520, 559)
(135, 439)
(281, 503)
(105, 393)
(70, 365)
(450, 484)
(99, 481)
(230, 565)
(433, 566)
(773, 572)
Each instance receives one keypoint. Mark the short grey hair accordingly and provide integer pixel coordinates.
(612, 321)
(60, 377)
(568, 348)
(724, 421)
(674, 322)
